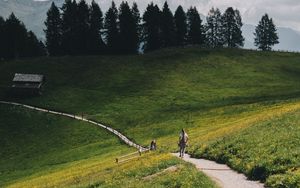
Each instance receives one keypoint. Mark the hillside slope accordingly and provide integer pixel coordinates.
(211, 93)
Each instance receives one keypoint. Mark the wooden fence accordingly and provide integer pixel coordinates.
(81, 118)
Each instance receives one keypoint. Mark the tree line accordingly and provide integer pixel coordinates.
(16, 41)
(78, 28)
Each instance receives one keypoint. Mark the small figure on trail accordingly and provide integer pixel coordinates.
(153, 145)
(183, 139)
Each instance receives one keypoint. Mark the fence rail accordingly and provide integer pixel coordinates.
(81, 118)
(130, 156)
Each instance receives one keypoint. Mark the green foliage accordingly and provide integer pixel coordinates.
(232, 28)
(17, 41)
(196, 33)
(214, 29)
(180, 26)
(151, 28)
(96, 44)
(53, 31)
(167, 26)
(265, 34)
(129, 39)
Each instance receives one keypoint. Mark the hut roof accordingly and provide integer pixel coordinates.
(28, 78)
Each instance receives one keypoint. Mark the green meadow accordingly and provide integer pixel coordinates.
(239, 107)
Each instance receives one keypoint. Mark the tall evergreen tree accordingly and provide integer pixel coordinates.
(96, 44)
(69, 28)
(214, 30)
(232, 25)
(167, 26)
(180, 26)
(17, 42)
(33, 46)
(266, 34)
(195, 28)
(137, 23)
(2, 37)
(53, 31)
(128, 31)
(82, 28)
(111, 29)
(151, 28)
(15, 38)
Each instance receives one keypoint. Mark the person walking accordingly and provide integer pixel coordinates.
(183, 140)
(153, 145)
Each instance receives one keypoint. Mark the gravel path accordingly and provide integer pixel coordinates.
(222, 174)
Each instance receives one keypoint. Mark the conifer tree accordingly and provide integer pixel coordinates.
(111, 29)
(214, 30)
(151, 28)
(180, 26)
(17, 41)
(128, 30)
(137, 23)
(195, 28)
(53, 31)
(69, 30)
(2, 37)
(82, 28)
(167, 26)
(96, 44)
(33, 46)
(15, 38)
(232, 27)
(266, 34)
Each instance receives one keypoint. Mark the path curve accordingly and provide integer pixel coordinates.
(224, 176)
(115, 132)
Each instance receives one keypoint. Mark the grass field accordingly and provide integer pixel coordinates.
(214, 94)
(44, 150)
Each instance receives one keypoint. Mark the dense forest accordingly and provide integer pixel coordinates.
(78, 28)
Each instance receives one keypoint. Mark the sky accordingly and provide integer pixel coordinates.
(285, 13)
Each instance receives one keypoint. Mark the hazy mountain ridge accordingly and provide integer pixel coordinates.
(33, 14)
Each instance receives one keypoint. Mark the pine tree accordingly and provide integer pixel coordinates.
(111, 29)
(214, 30)
(96, 44)
(2, 37)
(33, 46)
(69, 22)
(167, 26)
(53, 31)
(151, 28)
(137, 24)
(266, 34)
(128, 30)
(195, 28)
(232, 27)
(180, 26)
(82, 28)
(15, 38)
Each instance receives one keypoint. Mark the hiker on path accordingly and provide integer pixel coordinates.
(183, 139)
(153, 145)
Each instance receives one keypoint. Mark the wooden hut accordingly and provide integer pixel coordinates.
(27, 84)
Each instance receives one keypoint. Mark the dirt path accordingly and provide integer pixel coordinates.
(79, 118)
(222, 174)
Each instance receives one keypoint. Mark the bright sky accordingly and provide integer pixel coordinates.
(285, 13)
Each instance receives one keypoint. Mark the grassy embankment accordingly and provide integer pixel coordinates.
(210, 93)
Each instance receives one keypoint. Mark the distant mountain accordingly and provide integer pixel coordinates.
(289, 39)
(33, 14)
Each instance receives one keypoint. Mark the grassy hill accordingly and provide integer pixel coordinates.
(214, 94)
